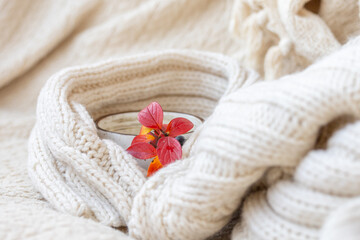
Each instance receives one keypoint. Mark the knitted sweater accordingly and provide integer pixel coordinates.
(286, 149)
(39, 38)
(254, 127)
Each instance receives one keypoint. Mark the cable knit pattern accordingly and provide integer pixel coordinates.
(77, 171)
(255, 126)
(325, 179)
(282, 37)
(40, 38)
(282, 154)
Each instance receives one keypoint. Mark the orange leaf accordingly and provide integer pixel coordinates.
(145, 130)
(154, 166)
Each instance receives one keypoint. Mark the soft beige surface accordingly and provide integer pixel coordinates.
(255, 126)
(279, 37)
(41, 38)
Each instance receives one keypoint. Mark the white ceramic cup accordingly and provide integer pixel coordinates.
(123, 127)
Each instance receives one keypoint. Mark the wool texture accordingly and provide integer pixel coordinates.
(40, 38)
(281, 37)
(278, 159)
(255, 126)
(96, 178)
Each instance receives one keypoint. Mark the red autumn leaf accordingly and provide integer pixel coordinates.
(143, 138)
(164, 127)
(179, 126)
(152, 116)
(154, 166)
(168, 150)
(142, 150)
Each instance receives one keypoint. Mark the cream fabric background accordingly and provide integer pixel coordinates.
(281, 37)
(40, 38)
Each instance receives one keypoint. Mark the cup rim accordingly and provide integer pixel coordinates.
(126, 134)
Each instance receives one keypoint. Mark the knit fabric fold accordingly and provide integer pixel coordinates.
(291, 124)
(282, 37)
(321, 101)
(83, 175)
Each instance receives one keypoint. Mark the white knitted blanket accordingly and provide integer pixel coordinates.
(284, 152)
